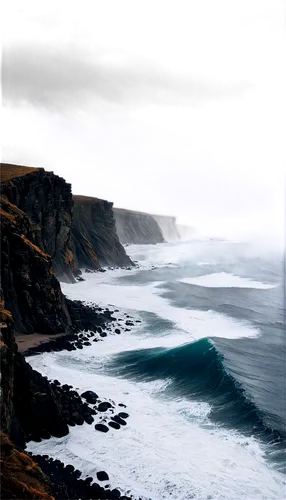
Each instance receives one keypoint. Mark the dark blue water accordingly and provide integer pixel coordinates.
(242, 379)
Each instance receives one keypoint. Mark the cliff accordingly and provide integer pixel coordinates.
(168, 227)
(94, 241)
(29, 288)
(137, 227)
(31, 300)
(46, 199)
(75, 231)
(187, 232)
(21, 477)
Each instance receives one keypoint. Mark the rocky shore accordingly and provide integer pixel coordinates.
(48, 234)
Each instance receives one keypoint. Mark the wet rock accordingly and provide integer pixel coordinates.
(104, 406)
(119, 420)
(115, 493)
(90, 396)
(69, 469)
(114, 425)
(89, 419)
(101, 427)
(122, 414)
(102, 476)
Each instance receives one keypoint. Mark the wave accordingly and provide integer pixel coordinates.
(196, 371)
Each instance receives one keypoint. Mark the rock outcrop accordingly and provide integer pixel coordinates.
(75, 231)
(46, 199)
(94, 241)
(29, 287)
(21, 477)
(137, 227)
(187, 232)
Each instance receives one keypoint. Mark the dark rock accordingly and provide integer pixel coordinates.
(115, 493)
(102, 476)
(114, 425)
(119, 420)
(122, 414)
(77, 418)
(89, 419)
(103, 334)
(69, 469)
(104, 406)
(94, 241)
(117, 331)
(90, 396)
(101, 427)
(122, 405)
(77, 473)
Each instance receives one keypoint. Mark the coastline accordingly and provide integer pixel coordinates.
(68, 482)
(26, 342)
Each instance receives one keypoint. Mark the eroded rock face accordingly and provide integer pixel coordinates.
(30, 290)
(21, 477)
(46, 199)
(95, 242)
(137, 227)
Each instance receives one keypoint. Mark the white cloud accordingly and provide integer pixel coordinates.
(141, 171)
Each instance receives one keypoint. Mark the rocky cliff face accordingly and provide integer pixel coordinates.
(187, 232)
(168, 227)
(21, 477)
(137, 227)
(47, 200)
(29, 288)
(94, 241)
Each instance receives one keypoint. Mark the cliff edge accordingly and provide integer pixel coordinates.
(137, 228)
(94, 241)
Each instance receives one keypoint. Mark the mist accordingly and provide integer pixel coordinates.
(222, 195)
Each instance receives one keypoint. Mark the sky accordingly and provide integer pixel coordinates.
(221, 194)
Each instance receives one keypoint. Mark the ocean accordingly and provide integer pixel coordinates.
(202, 375)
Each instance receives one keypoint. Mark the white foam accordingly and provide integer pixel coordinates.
(147, 264)
(197, 324)
(226, 280)
(205, 264)
(133, 249)
(164, 452)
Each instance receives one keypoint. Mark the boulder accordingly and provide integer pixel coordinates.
(101, 428)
